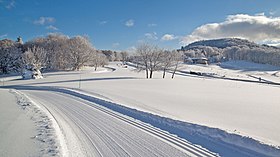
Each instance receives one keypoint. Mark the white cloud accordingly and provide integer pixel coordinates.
(44, 20)
(103, 22)
(3, 35)
(51, 27)
(276, 45)
(129, 23)
(260, 14)
(11, 4)
(272, 13)
(258, 28)
(151, 36)
(114, 45)
(152, 25)
(131, 49)
(168, 37)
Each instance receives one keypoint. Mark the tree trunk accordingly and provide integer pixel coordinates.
(163, 76)
(151, 74)
(147, 73)
(174, 71)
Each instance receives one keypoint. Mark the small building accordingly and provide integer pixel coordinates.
(199, 60)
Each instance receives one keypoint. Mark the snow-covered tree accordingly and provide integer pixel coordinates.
(149, 58)
(80, 50)
(10, 56)
(33, 61)
(124, 56)
(166, 60)
(177, 59)
(98, 60)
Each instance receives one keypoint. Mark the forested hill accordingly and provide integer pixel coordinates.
(234, 49)
(227, 42)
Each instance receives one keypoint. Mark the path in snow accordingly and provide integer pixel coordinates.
(103, 132)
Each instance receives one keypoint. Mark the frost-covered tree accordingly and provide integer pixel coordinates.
(234, 49)
(124, 56)
(55, 46)
(149, 58)
(34, 59)
(10, 56)
(166, 60)
(80, 51)
(177, 59)
(98, 60)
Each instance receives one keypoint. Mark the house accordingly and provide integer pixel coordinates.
(199, 60)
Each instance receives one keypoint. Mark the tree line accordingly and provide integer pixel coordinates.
(233, 49)
(53, 52)
(151, 58)
(60, 52)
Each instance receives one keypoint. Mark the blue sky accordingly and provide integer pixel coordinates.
(122, 24)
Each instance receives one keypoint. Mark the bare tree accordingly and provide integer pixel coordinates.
(124, 56)
(149, 58)
(166, 61)
(80, 50)
(98, 59)
(34, 57)
(177, 58)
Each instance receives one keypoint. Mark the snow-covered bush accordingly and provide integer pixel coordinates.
(34, 60)
(31, 74)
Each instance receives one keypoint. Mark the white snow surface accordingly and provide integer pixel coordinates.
(25, 130)
(188, 102)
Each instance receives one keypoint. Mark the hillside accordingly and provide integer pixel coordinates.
(233, 49)
(226, 42)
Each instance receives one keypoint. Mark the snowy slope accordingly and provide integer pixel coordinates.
(248, 109)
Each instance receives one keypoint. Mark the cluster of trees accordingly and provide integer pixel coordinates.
(257, 55)
(53, 52)
(63, 53)
(214, 54)
(151, 58)
(10, 56)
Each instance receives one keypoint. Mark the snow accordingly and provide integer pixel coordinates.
(121, 136)
(32, 74)
(210, 106)
(15, 128)
(25, 130)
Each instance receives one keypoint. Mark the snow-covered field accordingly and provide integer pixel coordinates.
(24, 129)
(231, 118)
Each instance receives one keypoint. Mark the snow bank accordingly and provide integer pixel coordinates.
(47, 132)
(16, 128)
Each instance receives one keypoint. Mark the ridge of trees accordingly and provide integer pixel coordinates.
(233, 49)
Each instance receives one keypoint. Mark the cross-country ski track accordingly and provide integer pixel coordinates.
(103, 132)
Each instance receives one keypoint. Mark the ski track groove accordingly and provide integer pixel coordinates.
(153, 131)
(111, 134)
(125, 139)
(113, 140)
(81, 128)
